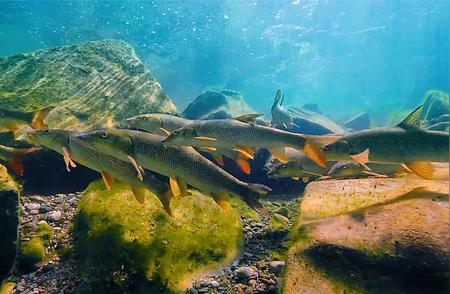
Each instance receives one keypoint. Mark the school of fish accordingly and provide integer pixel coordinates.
(162, 153)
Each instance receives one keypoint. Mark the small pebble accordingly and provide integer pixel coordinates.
(214, 284)
(244, 273)
(54, 216)
(276, 266)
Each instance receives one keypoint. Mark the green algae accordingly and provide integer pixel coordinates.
(32, 254)
(117, 238)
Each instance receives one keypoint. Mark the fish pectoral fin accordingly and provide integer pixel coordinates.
(249, 118)
(362, 158)
(305, 179)
(208, 149)
(243, 164)
(373, 174)
(204, 138)
(108, 180)
(312, 149)
(137, 167)
(39, 116)
(218, 158)
(423, 169)
(178, 187)
(296, 178)
(139, 194)
(166, 132)
(67, 160)
(12, 127)
(222, 199)
(279, 153)
(247, 152)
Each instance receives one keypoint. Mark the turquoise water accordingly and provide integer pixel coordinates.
(345, 56)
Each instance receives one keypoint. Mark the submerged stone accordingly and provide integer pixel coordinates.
(116, 236)
(9, 221)
(93, 84)
(371, 236)
(359, 122)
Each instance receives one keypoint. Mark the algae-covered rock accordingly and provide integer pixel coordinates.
(116, 237)
(435, 107)
(91, 84)
(396, 243)
(217, 104)
(9, 221)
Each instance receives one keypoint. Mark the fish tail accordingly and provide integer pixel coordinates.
(16, 162)
(313, 149)
(253, 194)
(39, 116)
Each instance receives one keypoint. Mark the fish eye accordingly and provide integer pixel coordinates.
(104, 135)
(175, 132)
(47, 131)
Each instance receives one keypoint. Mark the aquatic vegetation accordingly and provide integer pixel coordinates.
(32, 254)
(117, 235)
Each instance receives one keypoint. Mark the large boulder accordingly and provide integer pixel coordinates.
(9, 220)
(435, 105)
(311, 122)
(120, 242)
(217, 104)
(94, 84)
(371, 235)
(359, 122)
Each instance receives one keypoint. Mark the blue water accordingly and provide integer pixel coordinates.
(345, 56)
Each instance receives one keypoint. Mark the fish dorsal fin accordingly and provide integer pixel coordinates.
(282, 99)
(249, 118)
(277, 97)
(412, 120)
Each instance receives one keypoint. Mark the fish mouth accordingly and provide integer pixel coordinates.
(131, 122)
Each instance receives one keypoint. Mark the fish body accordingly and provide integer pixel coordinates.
(164, 124)
(14, 119)
(349, 169)
(230, 133)
(181, 163)
(58, 140)
(280, 115)
(405, 144)
(13, 157)
(299, 165)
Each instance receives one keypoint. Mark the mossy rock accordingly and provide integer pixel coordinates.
(94, 84)
(32, 254)
(9, 220)
(120, 242)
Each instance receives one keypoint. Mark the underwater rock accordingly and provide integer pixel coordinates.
(93, 84)
(312, 123)
(217, 104)
(359, 122)
(115, 237)
(372, 243)
(435, 107)
(9, 221)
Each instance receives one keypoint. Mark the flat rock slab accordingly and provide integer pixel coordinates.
(94, 84)
(372, 235)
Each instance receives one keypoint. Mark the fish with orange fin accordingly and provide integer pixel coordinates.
(242, 134)
(14, 120)
(405, 144)
(13, 157)
(111, 168)
(165, 124)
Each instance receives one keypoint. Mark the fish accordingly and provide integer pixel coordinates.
(405, 143)
(298, 167)
(351, 169)
(183, 165)
(13, 120)
(280, 116)
(165, 124)
(111, 168)
(13, 157)
(242, 134)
